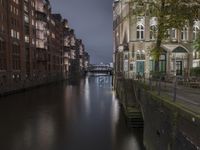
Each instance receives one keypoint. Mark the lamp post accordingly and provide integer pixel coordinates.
(175, 81)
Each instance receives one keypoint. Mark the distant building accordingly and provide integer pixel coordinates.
(36, 46)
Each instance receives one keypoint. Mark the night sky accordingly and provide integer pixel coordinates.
(92, 21)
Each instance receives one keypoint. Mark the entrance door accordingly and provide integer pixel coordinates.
(179, 66)
(140, 67)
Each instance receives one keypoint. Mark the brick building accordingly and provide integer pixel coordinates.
(36, 46)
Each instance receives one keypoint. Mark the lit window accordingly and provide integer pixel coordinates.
(26, 19)
(53, 36)
(26, 39)
(12, 33)
(18, 35)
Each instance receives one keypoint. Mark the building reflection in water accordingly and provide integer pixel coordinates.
(67, 117)
(36, 134)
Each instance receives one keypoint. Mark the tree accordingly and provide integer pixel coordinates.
(170, 14)
(196, 43)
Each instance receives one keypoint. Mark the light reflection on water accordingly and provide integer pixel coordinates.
(83, 115)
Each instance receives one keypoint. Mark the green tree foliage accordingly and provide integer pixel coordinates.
(196, 43)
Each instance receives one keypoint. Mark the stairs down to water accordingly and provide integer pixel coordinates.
(134, 118)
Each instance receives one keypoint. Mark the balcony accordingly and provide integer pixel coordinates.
(42, 16)
(67, 49)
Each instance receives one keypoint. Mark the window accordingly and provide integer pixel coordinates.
(16, 11)
(2, 2)
(195, 32)
(16, 1)
(11, 8)
(18, 35)
(184, 34)
(53, 35)
(140, 55)
(2, 29)
(26, 18)
(26, 39)
(2, 55)
(16, 56)
(14, 34)
(173, 33)
(196, 55)
(131, 67)
(153, 31)
(140, 32)
(25, 8)
(32, 4)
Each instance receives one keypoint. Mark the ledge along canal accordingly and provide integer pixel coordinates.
(83, 115)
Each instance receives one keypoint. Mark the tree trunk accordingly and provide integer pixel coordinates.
(159, 36)
(157, 59)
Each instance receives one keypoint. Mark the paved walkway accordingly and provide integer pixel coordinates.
(185, 96)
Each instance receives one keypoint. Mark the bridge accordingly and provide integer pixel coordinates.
(102, 68)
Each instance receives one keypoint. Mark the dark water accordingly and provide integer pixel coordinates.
(83, 116)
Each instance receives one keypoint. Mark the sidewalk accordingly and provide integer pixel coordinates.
(187, 97)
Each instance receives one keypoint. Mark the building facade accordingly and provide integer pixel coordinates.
(134, 37)
(36, 46)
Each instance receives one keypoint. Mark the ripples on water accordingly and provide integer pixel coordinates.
(82, 115)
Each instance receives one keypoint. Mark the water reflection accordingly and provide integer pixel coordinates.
(87, 96)
(67, 116)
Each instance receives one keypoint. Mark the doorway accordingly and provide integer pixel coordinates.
(179, 68)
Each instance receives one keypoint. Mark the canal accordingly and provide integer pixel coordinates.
(82, 115)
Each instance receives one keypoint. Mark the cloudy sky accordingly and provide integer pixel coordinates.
(92, 21)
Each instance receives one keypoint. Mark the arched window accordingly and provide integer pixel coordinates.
(140, 32)
(195, 32)
(184, 34)
(153, 31)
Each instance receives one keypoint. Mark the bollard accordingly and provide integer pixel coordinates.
(159, 86)
(174, 90)
(150, 84)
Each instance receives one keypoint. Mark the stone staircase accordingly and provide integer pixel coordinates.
(134, 118)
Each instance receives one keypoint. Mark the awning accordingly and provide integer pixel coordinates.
(180, 49)
(175, 48)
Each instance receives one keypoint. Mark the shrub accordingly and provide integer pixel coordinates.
(195, 72)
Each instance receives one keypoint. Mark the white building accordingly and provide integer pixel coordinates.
(134, 36)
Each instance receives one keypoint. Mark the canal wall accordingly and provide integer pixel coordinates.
(19, 85)
(167, 126)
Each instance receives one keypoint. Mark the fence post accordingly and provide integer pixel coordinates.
(150, 84)
(174, 90)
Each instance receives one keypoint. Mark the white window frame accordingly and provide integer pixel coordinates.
(140, 32)
(195, 32)
(184, 34)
